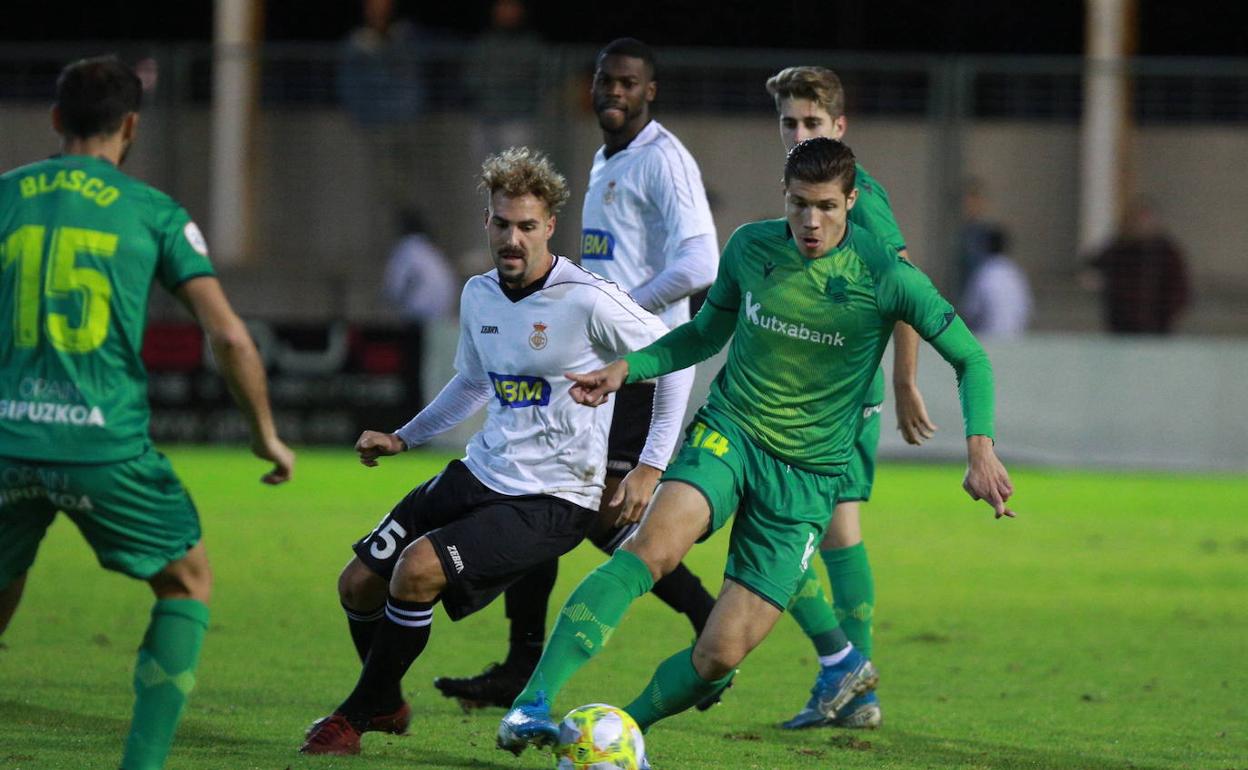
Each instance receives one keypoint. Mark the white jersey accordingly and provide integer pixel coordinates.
(536, 439)
(642, 202)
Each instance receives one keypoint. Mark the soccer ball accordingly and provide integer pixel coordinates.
(600, 737)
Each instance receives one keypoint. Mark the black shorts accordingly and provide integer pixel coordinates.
(485, 540)
(630, 425)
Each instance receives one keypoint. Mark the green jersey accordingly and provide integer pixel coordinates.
(874, 213)
(80, 243)
(807, 337)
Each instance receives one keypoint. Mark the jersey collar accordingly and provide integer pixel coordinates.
(647, 135)
(515, 295)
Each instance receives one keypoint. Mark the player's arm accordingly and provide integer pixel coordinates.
(907, 294)
(690, 270)
(682, 347)
(912, 420)
(240, 365)
(460, 399)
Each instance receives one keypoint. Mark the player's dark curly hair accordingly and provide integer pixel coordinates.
(821, 160)
(94, 95)
(521, 171)
(631, 47)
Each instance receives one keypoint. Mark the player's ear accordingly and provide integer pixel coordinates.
(839, 125)
(851, 199)
(58, 125)
(652, 90)
(129, 127)
(550, 227)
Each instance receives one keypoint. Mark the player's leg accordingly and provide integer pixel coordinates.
(26, 517)
(677, 516)
(140, 521)
(10, 597)
(679, 589)
(740, 621)
(362, 593)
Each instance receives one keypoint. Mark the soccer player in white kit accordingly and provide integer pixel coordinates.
(529, 486)
(647, 227)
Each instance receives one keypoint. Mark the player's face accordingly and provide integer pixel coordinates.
(817, 212)
(802, 119)
(622, 92)
(519, 231)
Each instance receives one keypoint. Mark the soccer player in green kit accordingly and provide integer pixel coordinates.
(80, 244)
(811, 102)
(808, 302)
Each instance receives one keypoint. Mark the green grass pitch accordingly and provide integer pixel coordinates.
(1106, 627)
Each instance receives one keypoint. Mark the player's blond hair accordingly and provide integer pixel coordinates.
(523, 171)
(818, 84)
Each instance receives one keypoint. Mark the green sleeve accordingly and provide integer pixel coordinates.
(906, 294)
(959, 347)
(684, 346)
(183, 252)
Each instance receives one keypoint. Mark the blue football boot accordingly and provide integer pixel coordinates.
(834, 688)
(861, 713)
(528, 724)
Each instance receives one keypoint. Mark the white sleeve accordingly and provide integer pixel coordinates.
(690, 270)
(619, 325)
(671, 394)
(459, 400)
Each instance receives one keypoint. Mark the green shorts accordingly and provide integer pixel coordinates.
(135, 514)
(860, 473)
(781, 511)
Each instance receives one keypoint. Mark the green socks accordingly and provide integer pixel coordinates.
(674, 687)
(163, 677)
(853, 591)
(813, 612)
(586, 622)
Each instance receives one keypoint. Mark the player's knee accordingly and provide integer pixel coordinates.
(359, 588)
(187, 578)
(659, 559)
(418, 575)
(714, 659)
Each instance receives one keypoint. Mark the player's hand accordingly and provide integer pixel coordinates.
(633, 493)
(373, 444)
(282, 457)
(592, 388)
(912, 420)
(986, 478)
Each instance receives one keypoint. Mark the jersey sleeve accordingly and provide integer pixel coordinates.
(183, 250)
(725, 291)
(905, 293)
(467, 359)
(618, 324)
(674, 186)
(874, 213)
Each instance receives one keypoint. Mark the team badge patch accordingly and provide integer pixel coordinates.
(836, 289)
(195, 238)
(538, 340)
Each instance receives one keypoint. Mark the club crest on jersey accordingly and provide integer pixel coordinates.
(538, 339)
(608, 197)
(515, 391)
(597, 244)
(836, 289)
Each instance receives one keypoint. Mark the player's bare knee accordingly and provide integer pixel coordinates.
(418, 574)
(187, 578)
(658, 557)
(714, 659)
(359, 588)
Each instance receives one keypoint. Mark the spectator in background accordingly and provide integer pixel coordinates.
(381, 86)
(997, 300)
(420, 285)
(1142, 275)
(973, 239)
(503, 77)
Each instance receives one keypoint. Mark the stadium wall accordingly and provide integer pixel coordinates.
(317, 252)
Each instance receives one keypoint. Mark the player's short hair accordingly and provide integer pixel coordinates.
(94, 95)
(523, 171)
(818, 84)
(631, 47)
(821, 160)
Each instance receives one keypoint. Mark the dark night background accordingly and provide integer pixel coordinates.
(956, 26)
